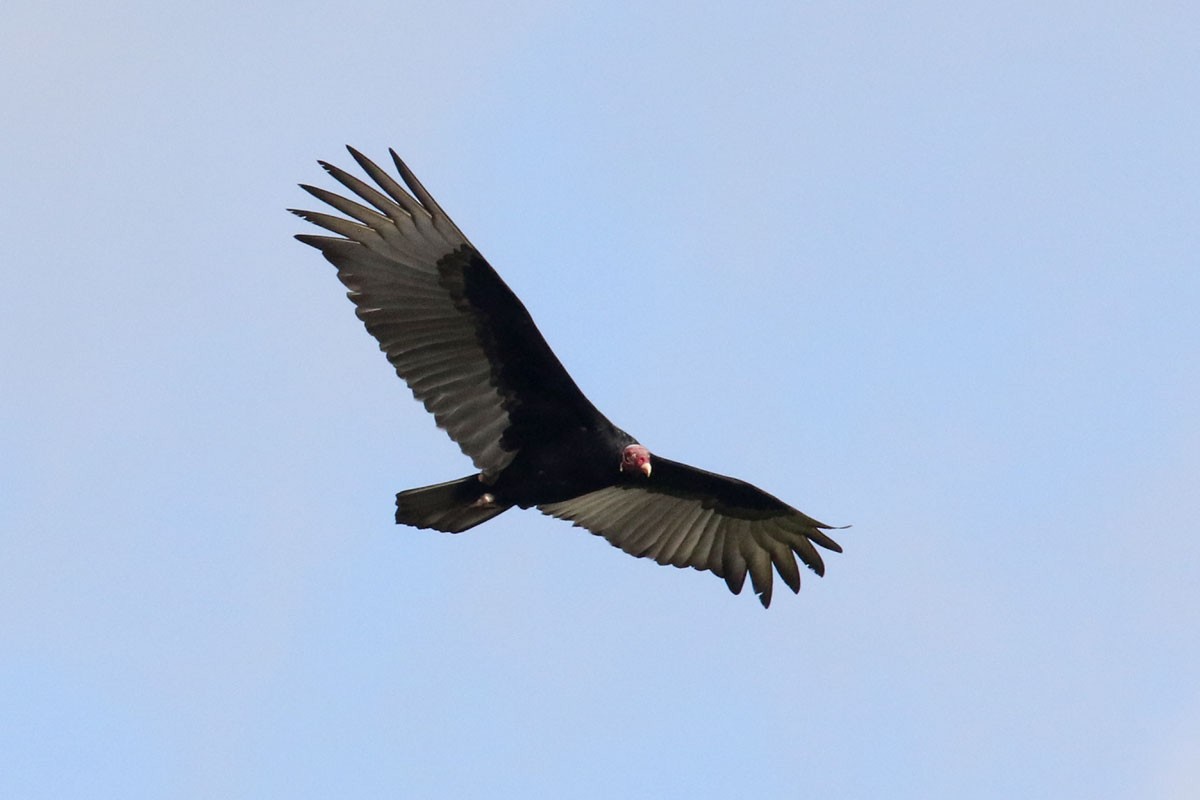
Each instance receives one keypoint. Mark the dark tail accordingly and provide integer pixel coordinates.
(451, 507)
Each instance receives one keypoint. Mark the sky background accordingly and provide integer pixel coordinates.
(926, 269)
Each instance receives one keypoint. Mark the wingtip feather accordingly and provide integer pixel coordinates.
(361, 159)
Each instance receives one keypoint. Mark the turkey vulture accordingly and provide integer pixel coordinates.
(470, 352)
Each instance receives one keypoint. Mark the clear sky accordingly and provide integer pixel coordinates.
(925, 269)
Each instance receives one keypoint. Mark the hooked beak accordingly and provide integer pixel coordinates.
(646, 469)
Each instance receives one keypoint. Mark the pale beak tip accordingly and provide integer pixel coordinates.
(646, 469)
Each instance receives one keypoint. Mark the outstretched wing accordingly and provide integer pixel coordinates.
(687, 517)
(450, 326)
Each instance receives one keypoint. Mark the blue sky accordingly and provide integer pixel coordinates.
(925, 269)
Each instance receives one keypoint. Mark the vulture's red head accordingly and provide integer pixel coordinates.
(634, 459)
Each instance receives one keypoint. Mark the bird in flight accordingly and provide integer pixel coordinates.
(470, 352)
